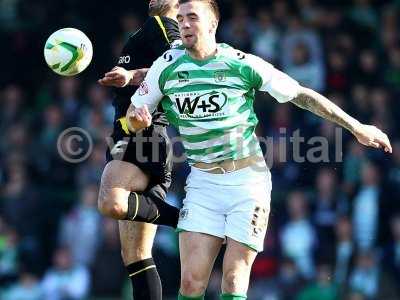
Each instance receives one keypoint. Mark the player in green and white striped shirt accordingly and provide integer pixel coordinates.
(207, 91)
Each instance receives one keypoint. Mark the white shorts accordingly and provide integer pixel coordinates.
(234, 205)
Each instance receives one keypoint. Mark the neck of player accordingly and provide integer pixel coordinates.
(203, 51)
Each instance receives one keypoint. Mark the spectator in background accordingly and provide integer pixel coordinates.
(9, 263)
(90, 172)
(381, 107)
(307, 70)
(9, 17)
(298, 237)
(108, 261)
(355, 296)
(361, 102)
(49, 163)
(365, 277)
(290, 281)
(268, 270)
(85, 219)
(392, 70)
(389, 26)
(68, 99)
(240, 29)
(323, 288)
(98, 100)
(393, 174)
(285, 171)
(366, 208)
(363, 14)
(18, 197)
(338, 77)
(265, 43)
(96, 125)
(344, 251)
(391, 261)
(53, 124)
(283, 286)
(17, 139)
(280, 13)
(11, 106)
(27, 288)
(328, 204)
(334, 137)
(309, 11)
(368, 69)
(19, 201)
(353, 161)
(302, 56)
(65, 280)
(278, 154)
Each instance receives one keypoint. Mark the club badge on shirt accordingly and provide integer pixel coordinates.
(143, 89)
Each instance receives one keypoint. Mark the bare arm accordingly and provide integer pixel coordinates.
(120, 77)
(366, 134)
(321, 106)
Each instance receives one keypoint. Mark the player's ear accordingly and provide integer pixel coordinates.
(214, 25)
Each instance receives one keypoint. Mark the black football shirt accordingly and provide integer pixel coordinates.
(156, 36)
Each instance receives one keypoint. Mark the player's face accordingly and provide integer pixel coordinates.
(197, 24)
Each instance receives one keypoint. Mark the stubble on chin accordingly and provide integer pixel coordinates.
(188, 46)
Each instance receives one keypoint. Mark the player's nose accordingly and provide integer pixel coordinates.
(186, 26)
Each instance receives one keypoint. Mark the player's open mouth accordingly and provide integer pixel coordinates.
(187, 36)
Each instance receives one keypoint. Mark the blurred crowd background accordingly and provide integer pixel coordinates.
(334, 229)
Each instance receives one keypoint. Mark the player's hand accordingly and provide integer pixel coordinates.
(371, 136)
(138, 76)
(117, 77)
(138, 118)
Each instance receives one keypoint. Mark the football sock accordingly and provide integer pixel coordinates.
(227, 296)
(146, 283)
(149, 207)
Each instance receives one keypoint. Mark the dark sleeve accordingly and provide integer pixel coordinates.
(140, 51)
(144, 47)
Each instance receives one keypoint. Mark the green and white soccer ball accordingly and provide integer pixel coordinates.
(68, 51)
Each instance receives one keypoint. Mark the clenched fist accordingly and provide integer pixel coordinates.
(138, 118)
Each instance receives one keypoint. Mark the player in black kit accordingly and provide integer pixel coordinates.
(136, 178)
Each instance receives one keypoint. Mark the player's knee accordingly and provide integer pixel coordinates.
(192, 284)
(111, 204)
(112, 210)
(234, 282)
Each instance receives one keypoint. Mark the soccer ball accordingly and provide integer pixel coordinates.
(68, 51)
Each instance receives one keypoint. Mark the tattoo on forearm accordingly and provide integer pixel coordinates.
(324, 108)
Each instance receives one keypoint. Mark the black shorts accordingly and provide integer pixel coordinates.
(149, 150)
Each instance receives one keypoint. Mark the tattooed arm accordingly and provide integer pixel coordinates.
(284, 88)
(321, 106)
(366, 134)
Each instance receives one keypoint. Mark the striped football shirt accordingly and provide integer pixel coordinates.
(210, 101)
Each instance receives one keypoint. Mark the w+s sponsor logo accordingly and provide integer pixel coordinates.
(198, 105)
